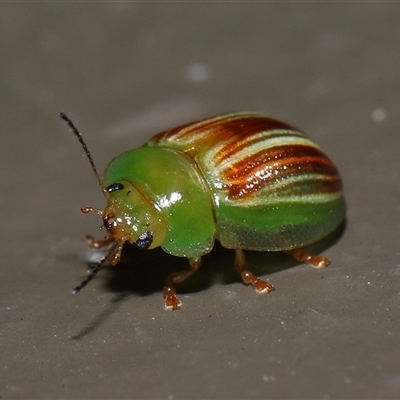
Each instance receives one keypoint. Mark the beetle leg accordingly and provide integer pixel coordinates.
(98, 243)
(115, 254)
(313, 261)
(248, 277)
(171, 301)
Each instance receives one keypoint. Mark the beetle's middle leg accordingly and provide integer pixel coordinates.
(248, 278)
(171, 301)
(313, 261)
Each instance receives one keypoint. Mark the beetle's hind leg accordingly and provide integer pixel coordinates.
(171, 301)
(313, 261)
(249, 278)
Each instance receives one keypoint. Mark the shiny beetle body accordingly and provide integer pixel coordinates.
(250, 181)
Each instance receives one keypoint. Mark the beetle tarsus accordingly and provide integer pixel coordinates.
(258, 284)
(248, 277)
(171, 301)
(314, 261)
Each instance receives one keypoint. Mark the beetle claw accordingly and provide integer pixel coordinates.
(319, 262)
(262, 286)
(313, 261)
(171, 301)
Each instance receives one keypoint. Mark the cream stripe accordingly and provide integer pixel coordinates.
(262, 199)
(265, 142)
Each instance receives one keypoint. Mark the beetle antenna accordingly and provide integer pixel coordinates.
(88, 155)
(92, 273)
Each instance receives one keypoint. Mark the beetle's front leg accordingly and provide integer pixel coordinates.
(248, 278)
(313, 261)
(171, 301)
(98, 243)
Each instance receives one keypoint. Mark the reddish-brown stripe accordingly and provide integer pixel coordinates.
(288, 161)
(285, 155)
(242, 127)
(236, 145)
(325, 185)
(238, 127)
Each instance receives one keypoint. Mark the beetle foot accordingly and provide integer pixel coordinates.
(258, 284)
(171, 301)
(318, 262)
(313, 261)
(248, 277)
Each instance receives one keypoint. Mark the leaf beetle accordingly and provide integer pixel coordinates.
(250, 181)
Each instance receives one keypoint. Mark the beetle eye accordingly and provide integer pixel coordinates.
(115, 186)
(144, 241)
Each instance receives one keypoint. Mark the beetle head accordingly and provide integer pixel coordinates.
(130, 216)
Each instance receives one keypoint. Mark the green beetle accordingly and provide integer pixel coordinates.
(250, 181)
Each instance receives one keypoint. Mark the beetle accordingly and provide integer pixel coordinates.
(250, 181)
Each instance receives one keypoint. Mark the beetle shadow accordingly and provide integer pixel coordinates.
(100, 317)
(144, 272)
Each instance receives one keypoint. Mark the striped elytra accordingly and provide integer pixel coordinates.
(250, 181)
(248, 156)
(272, 187)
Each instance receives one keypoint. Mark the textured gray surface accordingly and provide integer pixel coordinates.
(124, 71)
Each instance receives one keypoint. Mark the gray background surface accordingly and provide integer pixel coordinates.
(123, 72)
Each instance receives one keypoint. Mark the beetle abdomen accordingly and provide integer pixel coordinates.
(273, 188)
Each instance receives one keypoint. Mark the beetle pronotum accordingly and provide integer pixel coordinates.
(250, 181)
